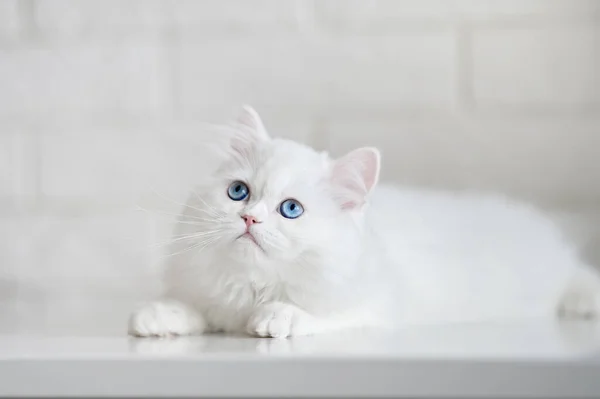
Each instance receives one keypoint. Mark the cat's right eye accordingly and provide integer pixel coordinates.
(291, 209)
(238, 191)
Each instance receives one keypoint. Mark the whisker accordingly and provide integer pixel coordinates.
(184, 237)
(216, 212)
(177, 215)
(225, 222)
(194, 233)
(205, 243)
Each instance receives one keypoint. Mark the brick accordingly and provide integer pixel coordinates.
(399, 15)
(298, 126)
(238, 15)
(389, 71)
(100, 17)
(17, 256)
(9, 317)
(380, 14)
(416, 150)
(101, 256)
(83, 317)
(17, 165)
(271, 73)
(9, 283)
(291, 73)
(116, 165)
(103, 165)
(74, 268)
(95, 78)
(552, 161)
(552, 10)
(538, 67)
(9, 18)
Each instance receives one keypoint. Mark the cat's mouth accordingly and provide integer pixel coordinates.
(248, 236)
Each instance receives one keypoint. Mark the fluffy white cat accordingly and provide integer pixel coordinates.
(282, 240)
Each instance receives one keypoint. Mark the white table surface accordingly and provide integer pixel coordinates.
(509, 360)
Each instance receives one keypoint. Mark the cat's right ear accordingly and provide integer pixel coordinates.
(249, 130)
(355, 175)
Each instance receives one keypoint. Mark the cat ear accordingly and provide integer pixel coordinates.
(355, 175)
(250, 125)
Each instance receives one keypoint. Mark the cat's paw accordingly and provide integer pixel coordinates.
(280, 320)
(165, 318)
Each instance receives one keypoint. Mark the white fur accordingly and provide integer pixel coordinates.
(359, 255)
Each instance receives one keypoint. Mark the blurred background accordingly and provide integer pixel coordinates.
(102, 105)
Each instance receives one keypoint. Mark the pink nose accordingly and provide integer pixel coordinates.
(250, 220)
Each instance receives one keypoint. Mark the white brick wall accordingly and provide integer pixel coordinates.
(234, 17)
(70, 18)
(263, 71)
(9, 18)
(520, 156)
(101, 101)
(390, 72)
(18, 165)
(378, 15)
(559, 67)
(96, 163)
(84, 78)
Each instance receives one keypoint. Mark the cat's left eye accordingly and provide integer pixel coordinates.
(238, 191)
(291, 209)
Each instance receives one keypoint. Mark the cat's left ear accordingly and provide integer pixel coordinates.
(250, 122)
(355, 175)
(249, 131)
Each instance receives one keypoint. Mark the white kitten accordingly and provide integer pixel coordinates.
(282, 240)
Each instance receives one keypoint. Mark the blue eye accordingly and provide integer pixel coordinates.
(238, 191)
(291, 209)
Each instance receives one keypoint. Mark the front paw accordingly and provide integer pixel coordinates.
(280, 320)
(165, 318)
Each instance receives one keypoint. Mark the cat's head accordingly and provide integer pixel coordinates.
(277, 203)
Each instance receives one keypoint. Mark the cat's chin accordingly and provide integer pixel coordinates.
(248, 240)
(246, 248)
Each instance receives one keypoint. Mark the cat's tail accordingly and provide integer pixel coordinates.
(581, 299)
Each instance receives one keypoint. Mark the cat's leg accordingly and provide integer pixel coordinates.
(581, 299)
(282, 320)
(166, 317)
